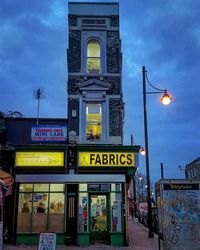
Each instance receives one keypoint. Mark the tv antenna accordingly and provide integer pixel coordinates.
(38, 94)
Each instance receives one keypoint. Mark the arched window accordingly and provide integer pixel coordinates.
(93, 56)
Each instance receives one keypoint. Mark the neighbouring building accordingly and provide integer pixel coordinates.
(75, 183)
(192, 169)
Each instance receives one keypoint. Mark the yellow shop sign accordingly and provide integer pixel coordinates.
(39, 159)
(106, 159)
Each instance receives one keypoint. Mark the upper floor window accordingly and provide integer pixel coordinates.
(93, 56)
(93, 121)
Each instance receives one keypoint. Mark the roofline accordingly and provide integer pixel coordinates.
(94, 3)
(33, 118)
(197, 159)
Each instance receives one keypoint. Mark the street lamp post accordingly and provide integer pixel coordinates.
(166, 99)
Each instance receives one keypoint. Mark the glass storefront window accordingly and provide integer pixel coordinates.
(116, 187)
(41, 187)
(56, 203)
(82, 187)
(83, 212)
(56, 216)
(41, 210)
(116, 215)
(26, 187)
(24, 212)
(57, 187)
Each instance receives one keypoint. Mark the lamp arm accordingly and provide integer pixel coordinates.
(161, 90)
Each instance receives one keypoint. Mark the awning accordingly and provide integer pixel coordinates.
(5, 178)
(6, 182)
(70, 178)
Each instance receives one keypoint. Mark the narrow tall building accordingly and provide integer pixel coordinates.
(95, 104)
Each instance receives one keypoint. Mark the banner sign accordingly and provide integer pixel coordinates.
(49, 133)
(39, 159)
(106, 159)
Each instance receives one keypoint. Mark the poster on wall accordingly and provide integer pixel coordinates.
(51, 133)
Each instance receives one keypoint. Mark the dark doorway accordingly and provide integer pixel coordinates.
(71, 214)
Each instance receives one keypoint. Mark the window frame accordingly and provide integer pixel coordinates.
(94, 57)
(100, 38)
(104, 122)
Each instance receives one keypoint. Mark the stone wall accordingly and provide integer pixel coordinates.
(115, 118)
(74, 52)
(113, 56)
(73, 124)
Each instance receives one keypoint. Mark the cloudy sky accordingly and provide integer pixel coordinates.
(164, 36)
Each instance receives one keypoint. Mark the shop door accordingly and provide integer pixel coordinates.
(99, 218)
(71, 215)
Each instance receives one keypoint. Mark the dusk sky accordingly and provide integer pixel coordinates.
(164, 36)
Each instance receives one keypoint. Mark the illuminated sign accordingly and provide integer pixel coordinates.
(106, 159)
(39, 159)
(49, 133)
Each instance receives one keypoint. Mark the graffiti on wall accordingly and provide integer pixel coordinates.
(181, 219)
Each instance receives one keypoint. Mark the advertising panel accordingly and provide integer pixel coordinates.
(106, 159)
(39, 159)
(49, 133)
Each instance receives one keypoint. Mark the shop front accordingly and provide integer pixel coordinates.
(83, 207)
(53, 204)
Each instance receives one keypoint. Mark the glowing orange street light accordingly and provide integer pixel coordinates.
(166, 98)
(142, 151)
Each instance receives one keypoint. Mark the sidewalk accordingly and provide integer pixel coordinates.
(138, 240)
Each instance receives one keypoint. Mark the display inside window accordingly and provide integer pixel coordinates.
(83, 212)
(40, 210)
(93, 57)
(98, 211)
(93, 121)
(116, 212)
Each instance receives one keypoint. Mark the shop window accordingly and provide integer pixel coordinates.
(41, 187)
(57, 187)
(116, 215)
(40, 210)
(82, 187)
(93, 121)
(24, 212)
(116, 187)
(26, 187)
(83, 212)
(56, 214)
(93, 56)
